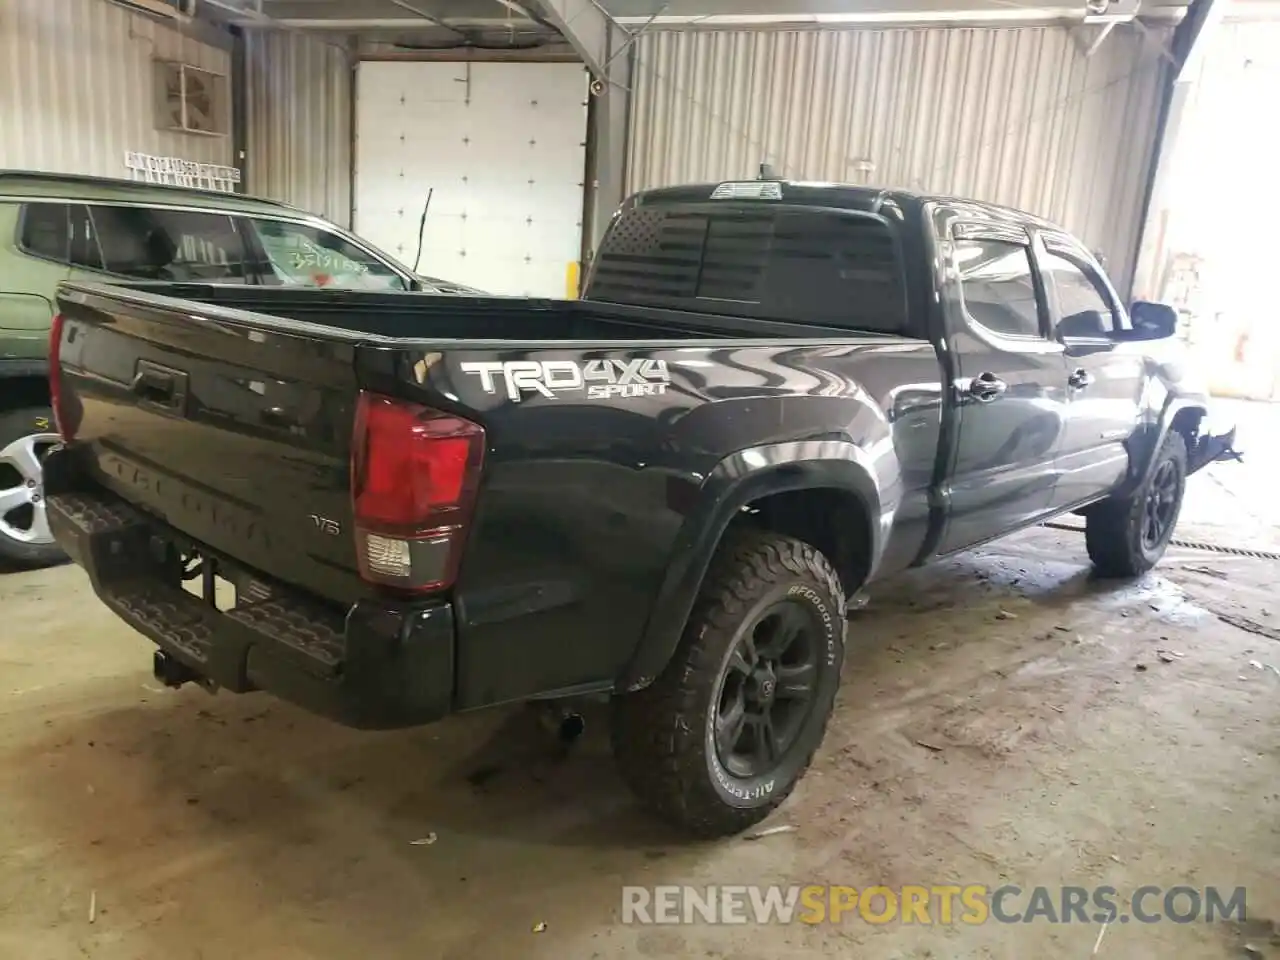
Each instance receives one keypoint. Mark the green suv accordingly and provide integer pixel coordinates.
(57, 227)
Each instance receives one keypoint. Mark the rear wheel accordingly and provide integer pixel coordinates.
(1127, 537)
(25, 436)
(723, 735)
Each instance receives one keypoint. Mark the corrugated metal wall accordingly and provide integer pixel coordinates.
(299, 102)
(1017, 116)
(76, 87)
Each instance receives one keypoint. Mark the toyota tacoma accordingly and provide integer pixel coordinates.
(389, 507)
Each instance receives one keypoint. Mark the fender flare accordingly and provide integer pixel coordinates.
(736, 481)
(1146, 442)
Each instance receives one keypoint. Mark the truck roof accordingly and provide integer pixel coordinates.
(38, 184)
(843, 196)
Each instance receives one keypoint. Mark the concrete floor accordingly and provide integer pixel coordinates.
(1062, 751)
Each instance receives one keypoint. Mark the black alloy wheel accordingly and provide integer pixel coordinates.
(1161, 507)
(768, 689)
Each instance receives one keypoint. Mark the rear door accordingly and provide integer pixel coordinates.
(1010, 394)
(1104, 376)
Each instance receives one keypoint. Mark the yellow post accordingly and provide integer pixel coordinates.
(571, 274)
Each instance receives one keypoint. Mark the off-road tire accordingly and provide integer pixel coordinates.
(663, 734)
(14, 425)
(1114, 528)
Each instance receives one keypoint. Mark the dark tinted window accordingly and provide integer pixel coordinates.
(997, 287)
(84, 239)
(1077, 291)
(173, 245)
(44, 230)
(823, 267)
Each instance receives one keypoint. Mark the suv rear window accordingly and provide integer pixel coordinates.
(156, 243)
(835, 268)
(44, 230)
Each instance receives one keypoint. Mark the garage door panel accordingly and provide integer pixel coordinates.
(448, 196)
(557, 201)
(506, 149)
(556, 155)
(506, 166)
(442, 246)
(495, 238)
(547, 238)
(496, 199)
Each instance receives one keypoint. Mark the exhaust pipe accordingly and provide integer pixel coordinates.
(562, 722)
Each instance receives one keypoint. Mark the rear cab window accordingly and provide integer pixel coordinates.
(838, 268)
(997, 286)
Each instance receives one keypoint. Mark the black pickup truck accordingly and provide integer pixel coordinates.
(771, 395)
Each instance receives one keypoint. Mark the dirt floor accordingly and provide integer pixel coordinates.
(1003, 719)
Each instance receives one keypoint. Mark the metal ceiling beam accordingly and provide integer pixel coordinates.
(528, 14)
(1089, 45)
(431, 18)
(594, 34)
(762, 13)
(699, 14)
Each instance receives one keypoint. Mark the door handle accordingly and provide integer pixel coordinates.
(1079, 378)
(159, 386)
(985, 387)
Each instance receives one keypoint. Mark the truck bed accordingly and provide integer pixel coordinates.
(228, 411)
(426, 316)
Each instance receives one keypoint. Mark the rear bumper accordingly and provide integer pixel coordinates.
(14, 366)
(380, 665)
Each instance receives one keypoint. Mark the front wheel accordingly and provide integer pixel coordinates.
(721, 738)
(25, 436)
(1127, 537)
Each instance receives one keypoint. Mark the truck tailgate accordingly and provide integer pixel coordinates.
(236, 435)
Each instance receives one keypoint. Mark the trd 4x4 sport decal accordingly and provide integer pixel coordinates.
(601, 379)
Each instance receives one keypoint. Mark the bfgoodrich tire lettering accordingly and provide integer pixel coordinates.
(765, 640)
(1127, 537)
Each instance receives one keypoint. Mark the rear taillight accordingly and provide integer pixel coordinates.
(66, 429)
(414, 473)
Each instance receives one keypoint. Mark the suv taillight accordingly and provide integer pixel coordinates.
(61, 420)
(414, 473)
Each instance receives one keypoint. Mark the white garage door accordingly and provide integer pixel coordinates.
(502, 145)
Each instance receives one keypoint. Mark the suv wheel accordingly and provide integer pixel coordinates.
(1126, 538)
(721, 738)
(25, 436)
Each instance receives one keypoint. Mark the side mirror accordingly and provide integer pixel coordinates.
(1085, 325)
(1153, 321)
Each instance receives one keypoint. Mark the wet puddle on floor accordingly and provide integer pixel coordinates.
(1045, 580)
